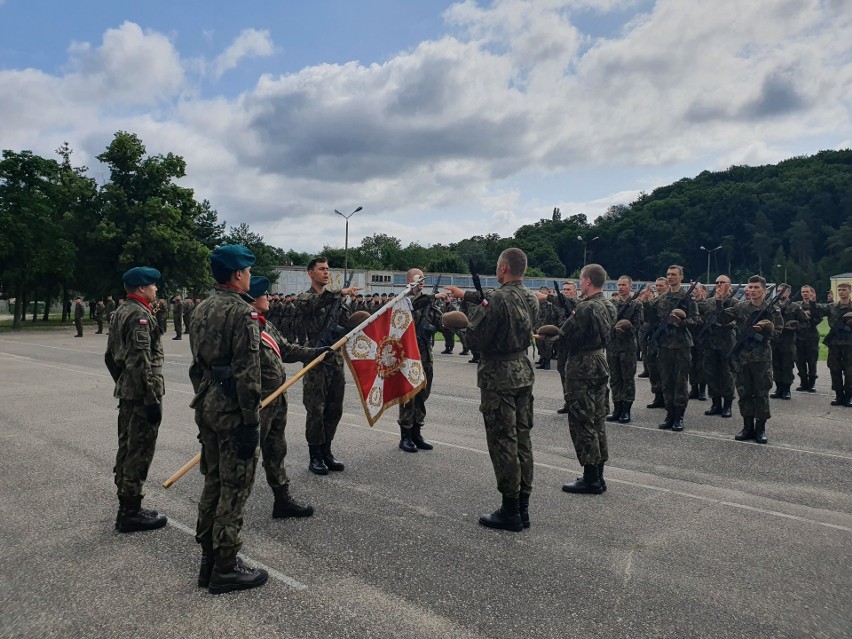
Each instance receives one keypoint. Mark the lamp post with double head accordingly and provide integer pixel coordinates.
(709, 252)
(586, 244)
(346, 242)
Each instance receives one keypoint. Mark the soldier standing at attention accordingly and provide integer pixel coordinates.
(226, 377)
(134, 357)
(807, 340)
(110, 309)
(587, 332)
(177, 317)
(162, 315)
(323, 386)
(645, 296)
(753, 361)
(100, 309)
(274, 352)
(839, 342)
(622, 350)
(718, 343)
(697, 381)
(187, 306)
(501, 330)
(447, 333)
(79, 314)
(784, 344)
(661, 287)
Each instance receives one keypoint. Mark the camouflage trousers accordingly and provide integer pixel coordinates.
(78, 323)
(178, 326)
(840, 365)
(449, 339)
(717, 372)
(653, 372)
(544, 346)
(587, 408)
(100, 323)
(227, 484)
(561, 362)
(137, 439)
(322, 395)
(273, 443)
(696, 366)
(754, 381)
(508, 417)
(782, 364)
(807, 354)
(622, 375)
(673, 365)
(414, 412)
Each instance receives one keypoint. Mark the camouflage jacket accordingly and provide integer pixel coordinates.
(587, 333)
(187, 307)
(713, 335)
(671, 336)
(100, 309)
(626, 342)
(427, 320)
(313, 309)
(756, 348)
(272, 373)
(225, 333)
(502, 331)
(813, 316)
(161, 312)
(79, 311)
(842, 332)
(110, 307)
(134, 354)
(786, 340)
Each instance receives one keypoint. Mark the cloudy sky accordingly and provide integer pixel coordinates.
(442, 119)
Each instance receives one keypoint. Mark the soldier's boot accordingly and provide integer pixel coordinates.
(778, 394)
(205, 568)
(176, 337)
(715, 407)
(760, 431)
(588, 484)
(693, 391)
(405, 442)
(474, 360)
(839, 398)
(447, 351)
(702, 392)
(328, 457)
(812, 383)
(317, 465)
(747, 432)
(546, 364)
(804, 385)
(233, 574)
(616, 412)
(658, 402)
(507, 517)
(540, 362)
(464, 352)
(418, 440)
(285, 506)
(644, 374)
(785, 392)
(726, 407)
(624, 418)
(563, 410)
(133, 518)
(848, 403)
(601, 477)
(524, 509)
(677, 423)
(666, 424)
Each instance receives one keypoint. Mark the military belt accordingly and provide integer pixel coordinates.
(595, 351)
(503, 357)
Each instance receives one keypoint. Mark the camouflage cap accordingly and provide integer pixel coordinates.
(140, 276)
(259, 286)
(232, 257)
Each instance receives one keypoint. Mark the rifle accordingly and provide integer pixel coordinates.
(477, 284)
(331, 331)
(626, 305)
(710, 325)
(750, 335)
(834, 331)
(561, 297)
(663, 325)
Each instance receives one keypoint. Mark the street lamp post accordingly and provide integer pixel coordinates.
(709, 251)
(346, 242)
(586, 244)
(784, 266)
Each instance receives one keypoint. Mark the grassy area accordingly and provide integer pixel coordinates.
(54, 322)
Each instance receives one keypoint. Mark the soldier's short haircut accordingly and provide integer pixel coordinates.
(626, 277)
(595, 274)
(571, 282)
(319, 259)
(757, 279)
(662, 279)
(515, 260)
(844, 285)
(678, 267)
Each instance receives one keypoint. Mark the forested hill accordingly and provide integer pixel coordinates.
(797, 213)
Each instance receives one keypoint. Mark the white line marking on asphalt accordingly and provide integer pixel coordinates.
(295, 585)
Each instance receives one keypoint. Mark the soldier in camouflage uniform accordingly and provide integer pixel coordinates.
(274, 352)
(751, 357)
(569, 294)
(161, 312)
(697, 381)
(177, 317)
(622, 350)
(100, 311)
(718, 340)
(807, 341)
(839, 342)
(187, 307)
(427, 319)
(670, 315)
(226, 376)
(501, 328)
(467, 308)
(587, 333)
(447, 333)
(548, 313)
(79, 314)
(784, 344)
(134, 358)
(323, 386)
(650, 354)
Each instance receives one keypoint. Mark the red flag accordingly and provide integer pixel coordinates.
(385, 361)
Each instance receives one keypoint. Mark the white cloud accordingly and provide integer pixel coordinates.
(250, 43)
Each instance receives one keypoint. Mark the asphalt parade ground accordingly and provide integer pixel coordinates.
(697, 536)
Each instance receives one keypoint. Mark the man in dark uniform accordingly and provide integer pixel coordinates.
(225, 373)
(100, 311)
(697, 381)
(547, 314)
(447, 333)
(784, 344)
(839, 342)
(622, 350)
(718, 340)
(551, 305)
(807, 340)
(110, 309)
(79, 314)
(177, 317)
(501, 330)
(323, 386)
(134, 358)
(649, 355)
(161, 312)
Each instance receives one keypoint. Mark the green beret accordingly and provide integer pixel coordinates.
(231, 257)
(140, 276)
(259, 286)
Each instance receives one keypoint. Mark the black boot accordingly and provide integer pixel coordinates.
(644, 375)
(677, 424)
(464, 352)
(524, 509)
(760, 431)
(726, 408)
(668, 421)
(624, 418)
(601, 477)
(507, 517)
(540, 363)
(803, 386)
(447, 351)
(702, 392)
(658, 402)
(616, 412)
(405, 442)
(328, 457)
(785, 392)
(839, 399)
(563, 410)
(418, 440)
(317, 465)
(812, 384)
(234, 575)
(285, 506)
(206, 567)
(133, 518)
(848, 403)
(693, 392)
(588, 484)
(778, 392)
(715, 407)
(473, 360)
(747, 432)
